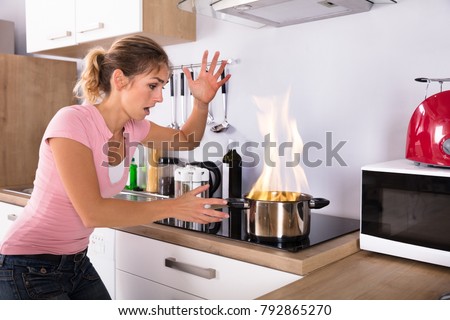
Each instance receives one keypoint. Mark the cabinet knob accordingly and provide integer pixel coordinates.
(206, 273)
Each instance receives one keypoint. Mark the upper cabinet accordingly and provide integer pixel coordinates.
(70, 28)
(50, 24)
(102, 19)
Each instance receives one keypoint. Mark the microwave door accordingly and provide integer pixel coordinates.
(412, 209)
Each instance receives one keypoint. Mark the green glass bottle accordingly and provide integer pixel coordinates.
(132, 178)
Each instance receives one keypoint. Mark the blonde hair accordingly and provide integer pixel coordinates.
(132, 54)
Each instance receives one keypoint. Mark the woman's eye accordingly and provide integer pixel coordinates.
(152, 86)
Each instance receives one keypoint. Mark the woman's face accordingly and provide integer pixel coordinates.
(143, 92)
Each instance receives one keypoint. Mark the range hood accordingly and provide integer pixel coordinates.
(277, 13)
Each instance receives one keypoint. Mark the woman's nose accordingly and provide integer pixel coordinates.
(159, 97)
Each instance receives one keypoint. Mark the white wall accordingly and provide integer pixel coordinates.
(14, 10)
(352, 76)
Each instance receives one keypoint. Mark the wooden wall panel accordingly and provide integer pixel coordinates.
(31, 91)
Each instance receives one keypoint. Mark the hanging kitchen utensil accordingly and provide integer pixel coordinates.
(224, 125)
(190, 93)
(210, 116)
(182, 102)
(174, 123)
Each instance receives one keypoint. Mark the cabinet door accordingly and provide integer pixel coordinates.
(198, 273)
(50, 24)
(8, 215)
(103, 19)
(69, 28)
(136, 288)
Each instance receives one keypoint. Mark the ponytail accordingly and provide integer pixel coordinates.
(88, 86)
(133, 55)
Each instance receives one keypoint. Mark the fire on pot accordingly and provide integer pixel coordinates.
(277, 207)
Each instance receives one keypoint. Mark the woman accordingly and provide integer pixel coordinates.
(83, 162)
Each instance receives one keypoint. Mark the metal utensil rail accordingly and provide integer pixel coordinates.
(198, 65)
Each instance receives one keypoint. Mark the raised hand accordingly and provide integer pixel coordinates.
(208, 81)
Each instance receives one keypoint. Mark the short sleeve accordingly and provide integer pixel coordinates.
(68, 123)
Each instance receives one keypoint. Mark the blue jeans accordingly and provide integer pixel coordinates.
(50, 277)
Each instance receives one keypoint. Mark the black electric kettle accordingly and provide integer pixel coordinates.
(215, 177)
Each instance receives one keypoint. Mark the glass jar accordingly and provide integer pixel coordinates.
(190, 177)
(166, 168)
(152, 171)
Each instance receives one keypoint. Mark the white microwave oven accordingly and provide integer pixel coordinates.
(405, 211)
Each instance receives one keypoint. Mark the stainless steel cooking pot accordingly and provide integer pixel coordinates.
(276, 216)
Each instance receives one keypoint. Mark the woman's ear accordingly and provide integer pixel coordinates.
(118, 79)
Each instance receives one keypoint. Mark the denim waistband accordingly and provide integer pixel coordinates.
(55, 258)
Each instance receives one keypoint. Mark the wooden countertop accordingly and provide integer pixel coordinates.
(13, 198)
(336, 269)
(369, 276)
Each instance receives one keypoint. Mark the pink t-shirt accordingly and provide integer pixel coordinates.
(49, 223)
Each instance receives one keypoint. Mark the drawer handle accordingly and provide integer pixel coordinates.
(206, 273)
(12, 217)
(67, 34)
(97, 26)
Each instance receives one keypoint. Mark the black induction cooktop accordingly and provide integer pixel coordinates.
(323, 228)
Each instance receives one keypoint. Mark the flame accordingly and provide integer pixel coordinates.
(282, 177)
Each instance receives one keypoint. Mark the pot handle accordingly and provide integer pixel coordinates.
(317, 203)
(235, 203)
(238, 203)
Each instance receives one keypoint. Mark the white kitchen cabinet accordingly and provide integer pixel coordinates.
(152, 269)
(101, 252)
(133, 287)
(101, 19)
(50, 24)
(71, 27)
(54, 24)
(8, 215)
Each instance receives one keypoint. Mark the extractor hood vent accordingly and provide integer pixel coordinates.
(277, 13)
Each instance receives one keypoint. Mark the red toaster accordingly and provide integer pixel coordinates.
(428, 135)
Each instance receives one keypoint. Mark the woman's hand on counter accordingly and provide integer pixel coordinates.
(190, 207)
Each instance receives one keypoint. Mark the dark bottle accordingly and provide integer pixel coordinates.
(232, 175)
(232, 188)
